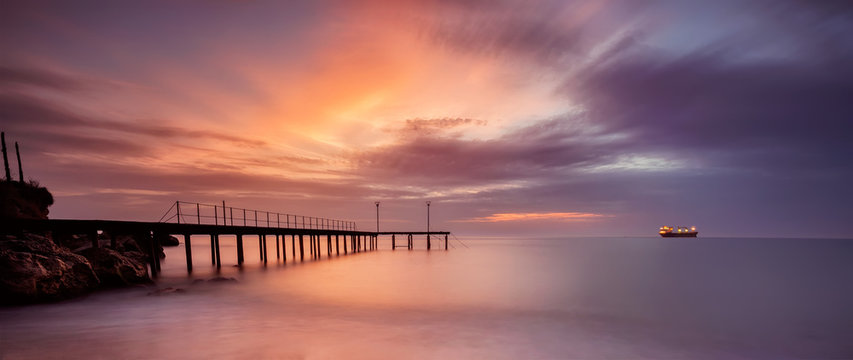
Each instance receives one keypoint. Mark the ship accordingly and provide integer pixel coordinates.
(678, 231)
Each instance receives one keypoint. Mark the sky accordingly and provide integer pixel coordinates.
(514, 118)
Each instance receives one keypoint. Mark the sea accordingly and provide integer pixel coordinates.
(483, 298)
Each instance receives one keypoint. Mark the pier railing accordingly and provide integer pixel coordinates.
(184, 212)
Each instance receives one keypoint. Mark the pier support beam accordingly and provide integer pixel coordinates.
(239, 249)
(189, 250)
(293, 245)
(337, 245)
(218, 252)
(212, 250)
(156, 246)
(152, 252)
(265, 248)
(393, 242)
(329, 245)
(301, 249)
(277, 248)
(445, 241)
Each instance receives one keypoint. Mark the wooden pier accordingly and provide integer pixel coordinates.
(219, 221)
(410, 238)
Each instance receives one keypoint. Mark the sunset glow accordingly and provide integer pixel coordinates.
(495, 111)
(560, 216)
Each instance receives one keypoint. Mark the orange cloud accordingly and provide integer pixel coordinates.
(561, 216)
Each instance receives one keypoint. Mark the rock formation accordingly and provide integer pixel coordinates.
(50, 267)
(35, 269)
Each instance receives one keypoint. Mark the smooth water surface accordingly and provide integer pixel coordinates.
(587, 298)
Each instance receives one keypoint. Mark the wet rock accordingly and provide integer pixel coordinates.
(140, 243)
(73, 242)
(168, 240)
(34, 269)
(116, 269)
(218, 279)
(167, 291)
(128, 243)
(143, 242)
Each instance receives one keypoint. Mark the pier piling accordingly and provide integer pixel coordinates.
(265, 248)
(212, 250)
(189, 251)
(218, 253)
(239, 249)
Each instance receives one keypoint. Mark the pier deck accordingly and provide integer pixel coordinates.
(315, 229)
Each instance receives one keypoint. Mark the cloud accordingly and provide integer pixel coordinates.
(548, 33)
(772, 114)
(30, 114)
(13, 76)
(420, 126)
(535, 151)
(558, 216)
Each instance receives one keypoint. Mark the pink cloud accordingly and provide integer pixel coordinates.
(558, 216)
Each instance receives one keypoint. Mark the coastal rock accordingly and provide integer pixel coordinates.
(73, 242)
(24, 200)
(116, 269)
(167, 291)
(218, 279)
(125, 244)
(143, 243)
(168, 240)
(35, 270)
(128, 243)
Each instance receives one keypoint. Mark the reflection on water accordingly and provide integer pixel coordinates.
(500, 299)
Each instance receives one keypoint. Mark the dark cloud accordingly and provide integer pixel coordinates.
(32, 115)
(11, 76)
(759, 114)
(531, 152)
(552, 34)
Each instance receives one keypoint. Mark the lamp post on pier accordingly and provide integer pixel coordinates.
(427, 204)
(377, 216)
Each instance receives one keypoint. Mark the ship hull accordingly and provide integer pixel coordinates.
(683, 234)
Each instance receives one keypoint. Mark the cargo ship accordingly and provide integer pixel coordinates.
(678, 231)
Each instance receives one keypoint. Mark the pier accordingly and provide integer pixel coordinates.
(212, 221)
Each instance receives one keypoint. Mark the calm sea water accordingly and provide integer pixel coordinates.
(589, 298)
